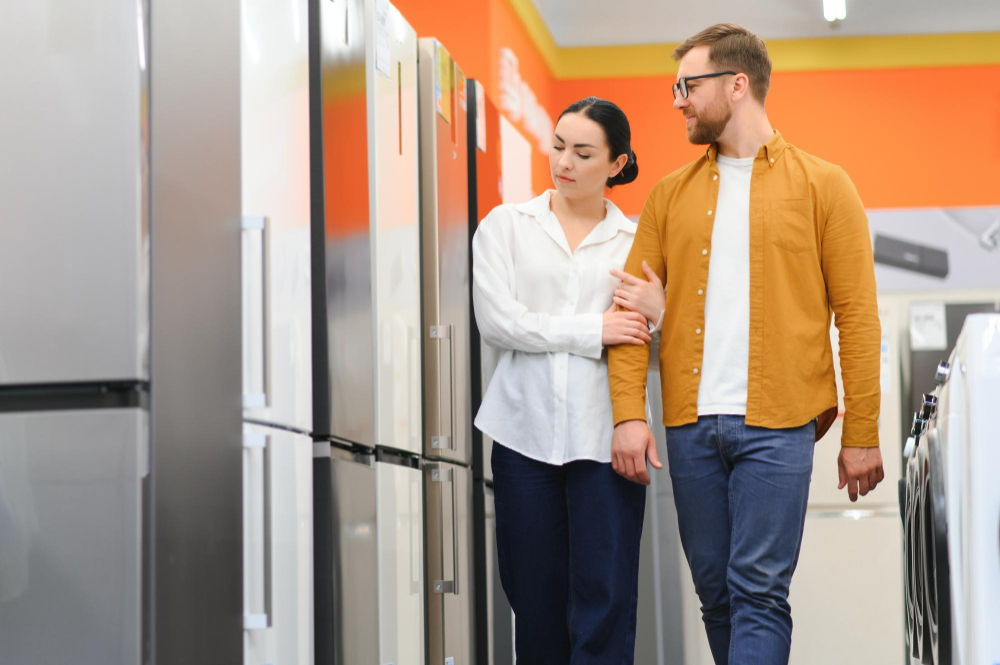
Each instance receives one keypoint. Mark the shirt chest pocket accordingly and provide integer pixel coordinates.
(791, 225)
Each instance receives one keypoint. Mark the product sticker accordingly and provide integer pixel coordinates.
(382, 53)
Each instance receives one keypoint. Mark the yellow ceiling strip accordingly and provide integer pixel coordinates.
(788, 55)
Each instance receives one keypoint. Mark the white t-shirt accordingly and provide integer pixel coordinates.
(542, 306)
(723, 387)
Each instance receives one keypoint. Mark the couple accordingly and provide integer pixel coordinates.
(757, 243)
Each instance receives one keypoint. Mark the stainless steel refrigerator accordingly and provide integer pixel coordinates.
(120, 334)
(445, 279)
(277, 353)
(366, 334)
(494, 618)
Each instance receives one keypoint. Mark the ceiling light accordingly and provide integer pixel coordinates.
(835, 10)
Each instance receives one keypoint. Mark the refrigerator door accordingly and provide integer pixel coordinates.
(74, 250)
(824, 613)
(400, 563)
(71, 536)
(342, 289)
(394, 163)
(445, 240)
(277, 335)
(277, 546)
(346, 556)
(448, 491)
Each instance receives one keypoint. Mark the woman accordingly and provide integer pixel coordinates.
(568, 526)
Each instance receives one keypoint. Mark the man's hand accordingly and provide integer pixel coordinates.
(631, 445)
(860, 469)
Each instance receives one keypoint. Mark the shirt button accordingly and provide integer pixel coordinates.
(697, 331)
(700, 292)
(704, 252)
(709, 212)
(695, 370)
(715, 177)
(772, 160)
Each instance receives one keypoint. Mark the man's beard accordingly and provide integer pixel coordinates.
(708, 128)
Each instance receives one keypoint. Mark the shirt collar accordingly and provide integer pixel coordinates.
(539, 207)
(770, 151)
(613, 222)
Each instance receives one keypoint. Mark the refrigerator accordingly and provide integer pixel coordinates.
(494, 618)
(446, 339)
(120, 335)
(367, 353)
(277, 334)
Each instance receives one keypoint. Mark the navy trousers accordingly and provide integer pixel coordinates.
(568, 552)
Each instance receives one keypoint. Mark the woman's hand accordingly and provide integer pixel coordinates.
(624, 328)
(642, 296)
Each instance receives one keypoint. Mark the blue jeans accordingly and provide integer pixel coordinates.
(741, 496)
(568, 552)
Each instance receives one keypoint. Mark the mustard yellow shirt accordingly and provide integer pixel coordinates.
(810, 257)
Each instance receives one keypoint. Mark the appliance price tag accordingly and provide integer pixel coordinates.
(928, 331)
(382, 55)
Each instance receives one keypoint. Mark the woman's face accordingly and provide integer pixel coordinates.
(580, 160)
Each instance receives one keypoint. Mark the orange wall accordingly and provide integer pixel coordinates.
(474, 31)
(903, 143)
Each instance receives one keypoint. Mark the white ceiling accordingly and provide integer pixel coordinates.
(618, 22)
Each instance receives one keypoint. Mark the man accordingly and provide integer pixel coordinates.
(758, 242)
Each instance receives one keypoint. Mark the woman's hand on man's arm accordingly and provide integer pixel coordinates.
(645, 296)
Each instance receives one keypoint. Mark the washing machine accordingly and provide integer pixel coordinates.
(950, 502)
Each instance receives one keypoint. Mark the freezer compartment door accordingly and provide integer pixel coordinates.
(277, 546)
(400, 564)
(445, 248)
(450, 593)
(828, 566)
(277, 335)
(71, 532)
(346, 558)
(74, 251)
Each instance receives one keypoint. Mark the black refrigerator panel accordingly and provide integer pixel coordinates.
(484, 195)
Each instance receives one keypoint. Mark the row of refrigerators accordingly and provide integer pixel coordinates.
(364, 148)
(364, 158)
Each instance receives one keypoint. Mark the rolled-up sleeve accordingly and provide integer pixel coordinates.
(506, 323)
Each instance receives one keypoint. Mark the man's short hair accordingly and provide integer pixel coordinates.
(732, 46)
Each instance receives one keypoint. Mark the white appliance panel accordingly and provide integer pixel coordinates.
(393, 143)
(277, 335)
(849, 581)
(400, 524)
(278, 546)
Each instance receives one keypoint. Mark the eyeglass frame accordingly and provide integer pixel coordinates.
(681, 85)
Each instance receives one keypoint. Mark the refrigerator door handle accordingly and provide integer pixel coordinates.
(258, 621)
(440, 475)
(262, 224)
(447, 395)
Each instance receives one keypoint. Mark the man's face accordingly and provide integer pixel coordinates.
(707, 108)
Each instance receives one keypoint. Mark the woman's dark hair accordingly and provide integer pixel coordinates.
(616, 130)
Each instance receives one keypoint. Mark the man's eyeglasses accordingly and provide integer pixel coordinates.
(682, 84)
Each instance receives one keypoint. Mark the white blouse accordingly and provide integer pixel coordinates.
(541, 306)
